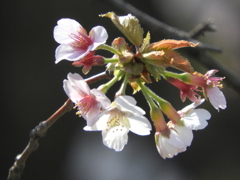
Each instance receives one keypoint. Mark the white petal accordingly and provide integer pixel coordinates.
(100, 122)
(128, 104)
(216, 98)
(169, 147)
(185, 134)
(115, 138)
(175, 140)
(64, 28)
(167, 150)
(196, 119)
(139, 125)
(99, 35)
(192, 106)
(69, 53)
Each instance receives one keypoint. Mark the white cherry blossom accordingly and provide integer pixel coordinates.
(115, 123)
(214, 94)
(179, 137)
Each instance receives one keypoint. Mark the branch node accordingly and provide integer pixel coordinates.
(38, 132)
(16, 170)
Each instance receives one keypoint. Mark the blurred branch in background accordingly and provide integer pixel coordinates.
(204, 58)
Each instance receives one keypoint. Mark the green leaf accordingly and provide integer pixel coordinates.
(146, 42)
(128, 25)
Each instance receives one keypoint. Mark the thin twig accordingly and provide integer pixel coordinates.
(157, 26)
(200, 29)
(39, 131)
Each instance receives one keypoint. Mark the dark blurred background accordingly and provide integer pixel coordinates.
(31, 90)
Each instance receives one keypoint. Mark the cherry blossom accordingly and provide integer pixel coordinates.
(186, 90)
(211, 87)
(214, 94)
(115, 123)
(89, 102)
(74, 41)
(177, 140)
(88, 61)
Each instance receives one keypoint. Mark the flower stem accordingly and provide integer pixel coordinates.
(122, 90)
(155, 112)
(109, 48)
(166, 107)
(172, 74)
(110, 60)
(104, 88)
(145, 90)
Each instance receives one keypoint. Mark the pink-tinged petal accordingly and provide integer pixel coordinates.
(196, 119)
(128, 104)
(79, 84)
(88, 106)
(68, 53)
(211, 72)
(71, 93)
(99, 35)
(102, 98)
(74, 77)
(64, 28)
(216, 98)
(115, 138)
(72, 86)
(139, 125)
(92, 113)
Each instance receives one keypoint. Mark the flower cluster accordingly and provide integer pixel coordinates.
(147, 63)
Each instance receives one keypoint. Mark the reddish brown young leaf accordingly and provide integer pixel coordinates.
(169, 44)
(178, 61)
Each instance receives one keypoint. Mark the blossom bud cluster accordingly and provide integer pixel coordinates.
(136, 65)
